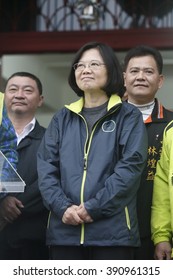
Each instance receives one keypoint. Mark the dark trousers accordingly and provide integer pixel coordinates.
(30, 250)
(146, 251)
(91, 253)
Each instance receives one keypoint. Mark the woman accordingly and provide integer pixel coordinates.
(90, 162)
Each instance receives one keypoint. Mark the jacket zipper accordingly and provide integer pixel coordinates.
(83, 180)
(86, 152)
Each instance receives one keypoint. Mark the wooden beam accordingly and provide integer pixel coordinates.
(67, 42)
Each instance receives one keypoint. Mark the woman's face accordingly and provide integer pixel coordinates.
(91, 72)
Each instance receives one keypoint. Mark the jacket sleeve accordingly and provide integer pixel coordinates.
(161, 214)
(31, 199)
(49, 172)
(121, 187)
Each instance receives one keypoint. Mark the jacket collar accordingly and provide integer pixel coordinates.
(34, 134)
(1, 105)
(157, 113)
(77, 106)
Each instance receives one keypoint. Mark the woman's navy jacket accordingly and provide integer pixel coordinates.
(102, 171)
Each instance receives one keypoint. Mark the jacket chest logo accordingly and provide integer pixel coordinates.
(109, 126)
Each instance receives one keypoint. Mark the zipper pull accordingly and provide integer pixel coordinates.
(85, 163)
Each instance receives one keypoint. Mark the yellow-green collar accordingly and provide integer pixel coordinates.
(78, 105)
(1, 105)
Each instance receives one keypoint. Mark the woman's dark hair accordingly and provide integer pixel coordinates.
(29, 75)
(115, 82)
(143, 50)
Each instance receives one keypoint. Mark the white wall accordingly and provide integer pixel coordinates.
(165, 94)
(53, 73)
